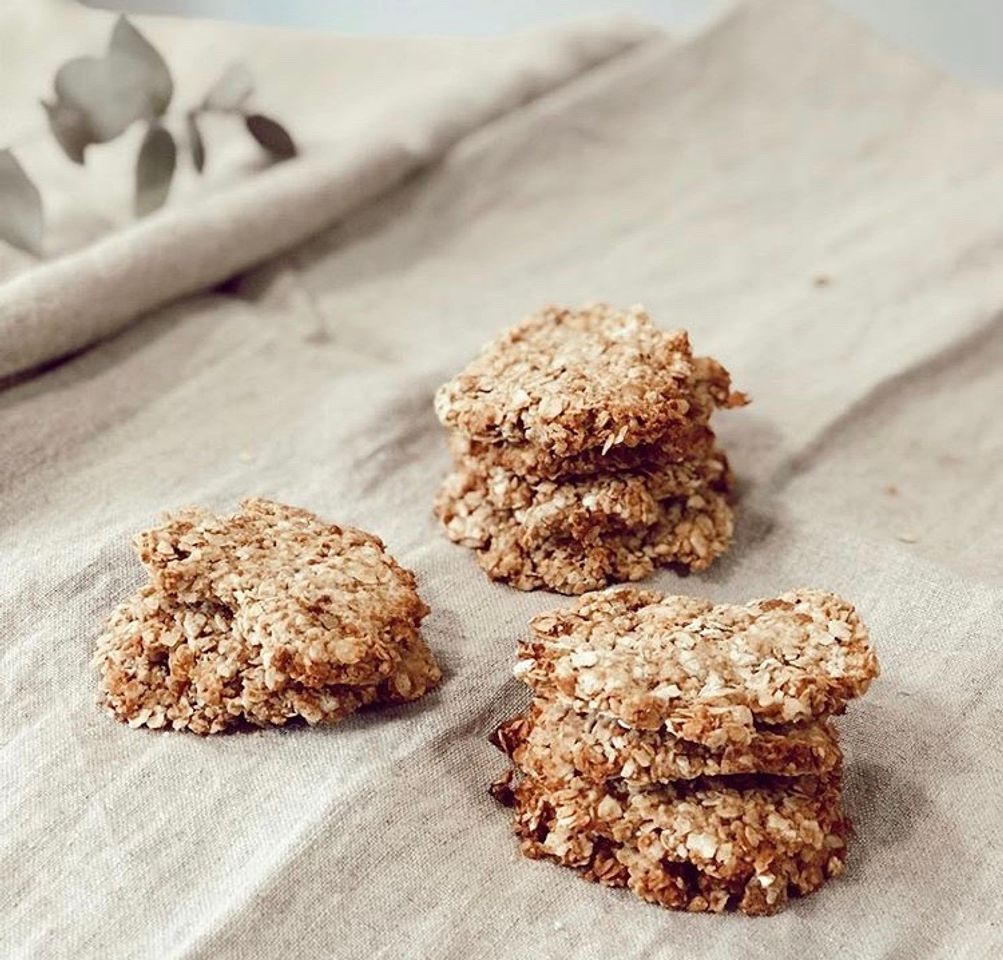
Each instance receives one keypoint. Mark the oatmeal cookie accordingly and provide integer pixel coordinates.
(701, 845)
(260, 617)
(185, 666)
(323, 601)
(535, 464)
(585, 548)
(577, 508)
(566, 381)
(553, 744)
(705, 673)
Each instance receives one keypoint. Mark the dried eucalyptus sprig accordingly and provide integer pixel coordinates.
(229, 94)
(21, 221)
(98, 98)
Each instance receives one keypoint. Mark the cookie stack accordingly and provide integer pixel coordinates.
(686, 750)
(583, 453)
(261, 617)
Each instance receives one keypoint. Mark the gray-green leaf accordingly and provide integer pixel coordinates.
(154, 169)
(131, 82)
(71, 129)
(271, 135)
(21, 221)
(103, 93)
(129, 44)
(230, 92)
(195, 142)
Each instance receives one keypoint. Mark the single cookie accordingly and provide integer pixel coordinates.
(579, 509)
(566, 381)
(553, 744)
(706, 673)
(587, 550)
(324, 603)
(187, 666)
(535, 464)
(692, 439)
(701, 845)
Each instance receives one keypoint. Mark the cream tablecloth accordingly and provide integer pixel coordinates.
(823, 213)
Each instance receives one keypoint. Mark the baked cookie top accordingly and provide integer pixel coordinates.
(568, 380)
(705, 672)
(325, 603)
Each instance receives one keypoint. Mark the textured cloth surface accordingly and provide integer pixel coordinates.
(821, 212)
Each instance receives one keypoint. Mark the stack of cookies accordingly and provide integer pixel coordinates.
(583, 453)
(686, 750)
(261, 617)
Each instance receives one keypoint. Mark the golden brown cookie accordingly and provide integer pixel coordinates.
(322, 600)
(703, 672)
(567, 381)
(260, 617)
(535, 464)
(553, 744)
(575, 536)
(184, 667)
(581, 506)
(710, 844)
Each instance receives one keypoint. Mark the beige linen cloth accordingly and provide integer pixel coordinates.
(823, 213)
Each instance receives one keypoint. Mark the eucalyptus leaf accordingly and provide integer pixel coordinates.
(155, 164)
(106, 93)
(21, 220)
(271, 135)
(129, 44)
(230, 92)
(195, 142)
(71, 129)
(110, 93)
